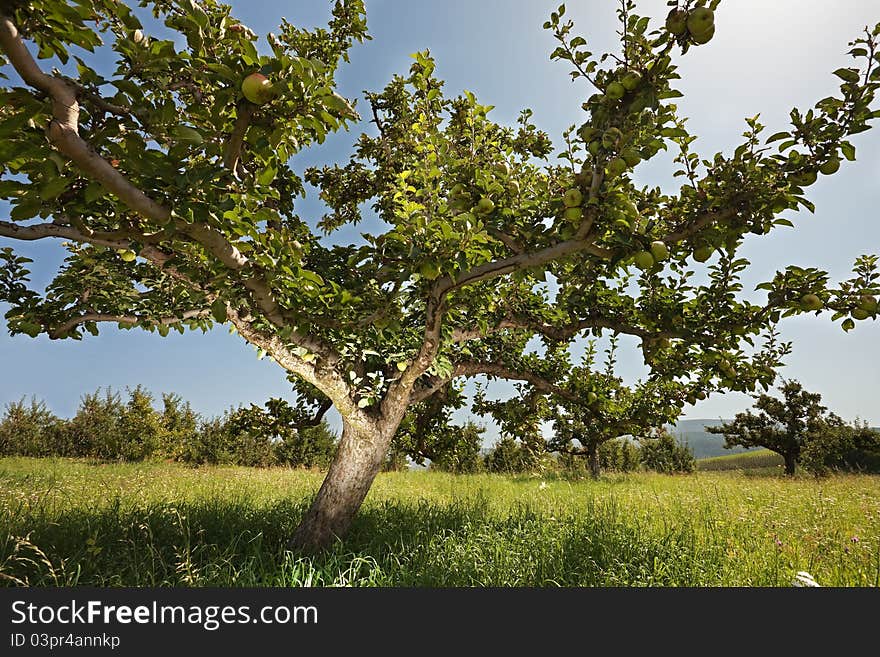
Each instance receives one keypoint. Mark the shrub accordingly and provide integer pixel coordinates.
(508, 456)
(32, 430)
(663, 453)
(460, 451)
(94, 431)
(844, 447)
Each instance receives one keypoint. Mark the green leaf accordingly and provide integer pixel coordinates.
(183, 133)
(848, 74)
(267, 175)
(218, 311)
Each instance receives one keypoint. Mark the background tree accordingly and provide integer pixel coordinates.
(598, 407)
(175, 193)
(848, 447)
(427, 432)
(661, 452)
(784, 426)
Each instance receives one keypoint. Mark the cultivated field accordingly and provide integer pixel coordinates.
(74, 523)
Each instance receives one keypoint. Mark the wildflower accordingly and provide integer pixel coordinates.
(805, 580)
(543, 485)
(855, 539)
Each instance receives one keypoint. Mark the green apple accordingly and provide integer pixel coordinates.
(460, 202)
(868, 303)
(615, 91)
(573, 214)
(611, 137)
(644, 260)
(485, 206)
(659, 250)
(128, 255)
(860, 314)
(592, 397)
(456, 190)
(631, 80)
(705, 37)
(594, 147)
(811, 302)
(631, 156)
(676, 22)
(703, 253)
(573, 198)
(700, 395)
(700, 21)
(587, 132)
(429, 270)
(615, 167)
(257, 89)
(513, 186)
(831, 167)
(502, 169)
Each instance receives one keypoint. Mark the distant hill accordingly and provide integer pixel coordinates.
(704, 444)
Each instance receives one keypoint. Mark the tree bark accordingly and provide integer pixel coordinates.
(362, 449)
(593, 457)
(790, 463)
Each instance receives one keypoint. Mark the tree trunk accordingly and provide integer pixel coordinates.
(790, 463)
(362, 449)
(593, 456)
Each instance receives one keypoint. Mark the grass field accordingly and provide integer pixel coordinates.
(72, 523)
(769, 462)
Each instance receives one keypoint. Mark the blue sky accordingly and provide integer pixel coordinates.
(765, 57)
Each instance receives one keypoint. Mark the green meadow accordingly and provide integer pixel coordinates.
(65, 522)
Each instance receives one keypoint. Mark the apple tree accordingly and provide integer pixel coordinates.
(785, 426)
(592, 405)
(176, 200)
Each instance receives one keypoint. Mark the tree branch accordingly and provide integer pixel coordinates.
(245, 111)
(59, 331)
(559, 333)
(63, 130)
(120, 240)
(499, 370)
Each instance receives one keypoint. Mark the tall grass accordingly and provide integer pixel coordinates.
(762, 459)
(72, 523)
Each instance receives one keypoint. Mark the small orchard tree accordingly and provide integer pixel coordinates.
(661, 452)
(169, 179)
(785, 426)
(427, 432)
(590, 407)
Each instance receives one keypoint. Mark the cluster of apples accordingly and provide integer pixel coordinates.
(654, 254)
(610, 141)
(698, 24)
(627, 81)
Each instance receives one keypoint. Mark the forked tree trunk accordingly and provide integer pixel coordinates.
(359, 457)
(593, 457)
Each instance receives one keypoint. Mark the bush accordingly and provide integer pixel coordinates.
(94, 431)
(663, 453)
(181, 426)
(460, 451)
(619, 455)
(843, 447)
(32, 430)
(508, 457)
(278, 436)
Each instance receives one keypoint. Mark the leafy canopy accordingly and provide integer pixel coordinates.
(177, 199)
